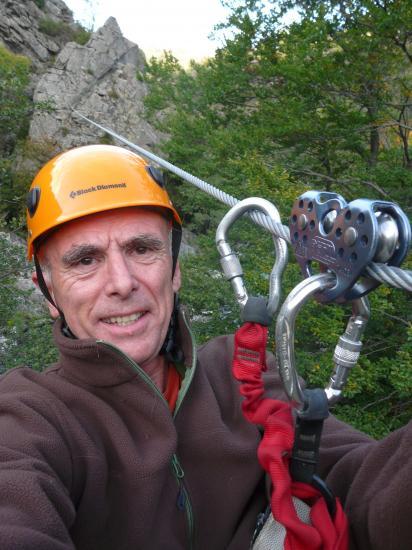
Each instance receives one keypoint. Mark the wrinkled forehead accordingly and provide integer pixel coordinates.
(119, 224)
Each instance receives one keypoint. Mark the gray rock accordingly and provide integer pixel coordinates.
(99, 80)
(59, 10)
(20, 24)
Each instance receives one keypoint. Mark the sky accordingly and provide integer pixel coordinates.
(182, 26)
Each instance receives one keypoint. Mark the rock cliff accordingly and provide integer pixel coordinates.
(103, 78)
(23, 24)
(100, 80)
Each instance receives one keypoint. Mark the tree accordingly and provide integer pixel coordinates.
(325, 99)
(25, 332)
(15, 104)
(384, 27)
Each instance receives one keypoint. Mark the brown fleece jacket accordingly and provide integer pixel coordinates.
(92, 458)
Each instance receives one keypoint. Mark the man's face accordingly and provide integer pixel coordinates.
(111, 275)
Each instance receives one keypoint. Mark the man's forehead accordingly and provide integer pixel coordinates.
(120, 224)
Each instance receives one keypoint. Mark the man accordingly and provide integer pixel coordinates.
(134, 439)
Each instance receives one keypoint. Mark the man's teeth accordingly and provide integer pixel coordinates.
(123, 320)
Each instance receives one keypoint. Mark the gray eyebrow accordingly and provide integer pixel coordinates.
(144, 240)
(77, 252)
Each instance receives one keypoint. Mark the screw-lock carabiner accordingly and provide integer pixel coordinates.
(230, 262)
(346, 352)
(348, 349)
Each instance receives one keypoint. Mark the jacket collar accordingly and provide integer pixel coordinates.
(99, 363)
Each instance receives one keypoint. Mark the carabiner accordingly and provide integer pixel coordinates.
(346, 352)
(348, 349)
(230, 262)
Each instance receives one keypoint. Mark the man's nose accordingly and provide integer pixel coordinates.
(121, 279)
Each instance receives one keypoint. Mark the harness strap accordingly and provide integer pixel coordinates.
(275, 449)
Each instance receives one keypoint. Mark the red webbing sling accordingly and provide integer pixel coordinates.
(325, 532)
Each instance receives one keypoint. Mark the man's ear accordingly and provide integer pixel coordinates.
(52, 310)
(177, 278)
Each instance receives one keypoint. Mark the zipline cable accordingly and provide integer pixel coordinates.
(391, 276)
(277, 229)
(388, 275)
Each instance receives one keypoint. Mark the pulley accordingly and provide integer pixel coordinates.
(343, 238)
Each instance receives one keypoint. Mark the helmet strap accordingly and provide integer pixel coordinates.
(44, 289)
(170, 349)
(176, 240)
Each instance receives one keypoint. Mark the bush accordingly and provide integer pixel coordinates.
(25, 336)
(64, 31)
(106, 139)
(81, 35)
(15, 105)
(15, 182)
(51, 27)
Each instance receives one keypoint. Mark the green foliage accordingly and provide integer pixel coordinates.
(15, 111)
(51, 27)
(40, 3)
(66, 32)
(15, 106)
(28, 342)
(323, 103)
(25, 337)
(16, 181)
(81, 35)
(106, 139)
(320, 100)
(10, 197)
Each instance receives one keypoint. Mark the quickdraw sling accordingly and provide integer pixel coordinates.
(313, 528)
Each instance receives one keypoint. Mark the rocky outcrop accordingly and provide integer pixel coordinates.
(103, 80)
(21, 24)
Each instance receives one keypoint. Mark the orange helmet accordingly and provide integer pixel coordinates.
(91, 179)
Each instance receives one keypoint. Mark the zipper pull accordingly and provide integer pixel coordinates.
(178, 470)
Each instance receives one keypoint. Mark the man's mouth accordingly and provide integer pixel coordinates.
(123, 320)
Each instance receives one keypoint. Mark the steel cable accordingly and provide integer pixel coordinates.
(388, 275)
(391, 276)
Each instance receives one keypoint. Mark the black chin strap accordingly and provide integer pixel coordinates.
(43, 286)
(176, 240)
(170, 349)
(45, 291)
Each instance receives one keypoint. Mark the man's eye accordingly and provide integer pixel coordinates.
(86, 261)
(141, 250)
